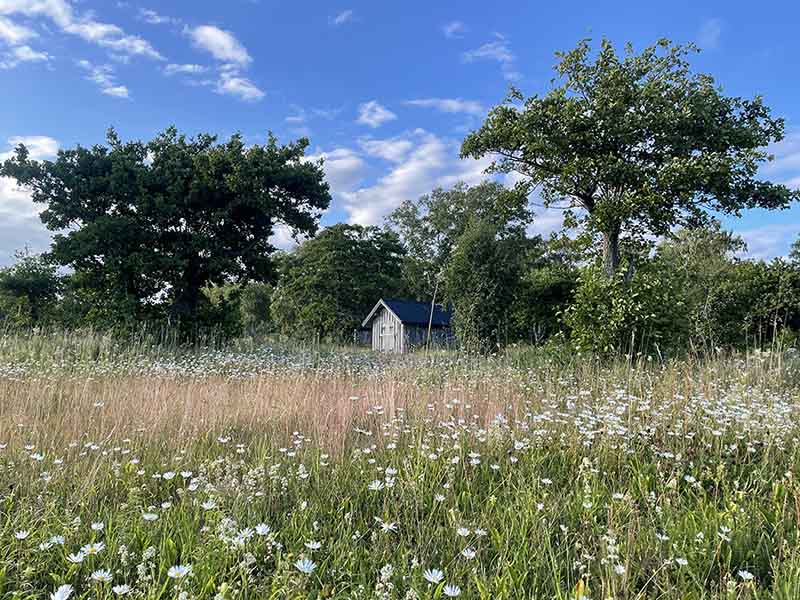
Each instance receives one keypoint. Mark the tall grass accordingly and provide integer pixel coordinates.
(518, 476)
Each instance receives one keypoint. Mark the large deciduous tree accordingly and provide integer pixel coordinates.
(480, 280)
(431, 226)
(329, 283)
(154, 223)
(634, 145)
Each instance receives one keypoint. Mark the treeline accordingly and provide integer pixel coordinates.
(642, 155)
(692, 292)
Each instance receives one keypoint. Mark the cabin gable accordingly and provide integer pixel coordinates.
(404, 325)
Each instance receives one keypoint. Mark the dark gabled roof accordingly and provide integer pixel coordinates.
(412, 312)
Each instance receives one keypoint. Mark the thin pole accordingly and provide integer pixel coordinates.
(430, 318)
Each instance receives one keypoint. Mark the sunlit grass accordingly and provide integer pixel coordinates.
(513, 477)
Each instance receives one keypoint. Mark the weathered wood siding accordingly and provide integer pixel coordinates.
(387, 332)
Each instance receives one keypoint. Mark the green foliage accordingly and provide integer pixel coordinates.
(146, 226)
(329, 283)
(431, 226)
(794, 252)
(546, 285)
(634, 145)
(29, 290)
(480, 280)
(729, 302)
(754, 305)
(254, 306)
(624, 314)
(220, 310)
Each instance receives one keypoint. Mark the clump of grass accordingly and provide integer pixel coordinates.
(420, 477)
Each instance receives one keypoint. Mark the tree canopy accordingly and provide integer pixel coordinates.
(431, 226)
(150, 224)
(329, 283)
(28, 289)
(633, 145)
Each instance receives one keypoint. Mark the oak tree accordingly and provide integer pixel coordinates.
(633, 145)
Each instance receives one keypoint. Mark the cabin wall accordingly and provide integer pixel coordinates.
(387, 332)
(416, 337)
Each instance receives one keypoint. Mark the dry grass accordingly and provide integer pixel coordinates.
(636, 480)
(172, 410)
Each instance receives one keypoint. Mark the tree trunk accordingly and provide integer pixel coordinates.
(611, 250)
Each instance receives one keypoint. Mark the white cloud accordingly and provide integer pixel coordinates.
(20, 54)
(785, 168)
(449, 105)
(430, 162)
(232, 83)
(346, 16)
(185, 69)
(344, 168)
(374, 115)
(13, 34)
(19, 222)
(454, 29)
(499, 51)
(224, 46)
(710, 34)
(103, 77)
(221, 44)
(769, 241)
(153, 18)
(393, 150)
(61, 13)
(282, 237)
(39, 146)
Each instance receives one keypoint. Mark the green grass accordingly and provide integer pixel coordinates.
(611, 481)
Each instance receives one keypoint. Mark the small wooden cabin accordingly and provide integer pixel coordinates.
(402, 325)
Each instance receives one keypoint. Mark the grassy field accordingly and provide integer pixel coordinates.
(254, 472)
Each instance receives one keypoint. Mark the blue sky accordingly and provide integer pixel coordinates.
(384, 90)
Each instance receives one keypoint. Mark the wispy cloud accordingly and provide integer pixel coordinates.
(221, 44)
(769, 241)
(393, 149)
(419, 161)
(153, 18)
(498, 51)
(449, 105)
(233, 83)
(185, 69)
(61, 13)
(454, 29)
(235, 58)
(374, 114)
(12, 33)
(710, 34)
(785, 168)
(21, 54)
(346, 16)
(14, 36)
(103, 76)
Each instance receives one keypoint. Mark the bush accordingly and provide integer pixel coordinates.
(642, 313)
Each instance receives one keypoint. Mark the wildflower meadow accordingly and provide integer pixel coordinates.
(343, 474)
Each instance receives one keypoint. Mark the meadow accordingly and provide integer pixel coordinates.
(252, 471)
